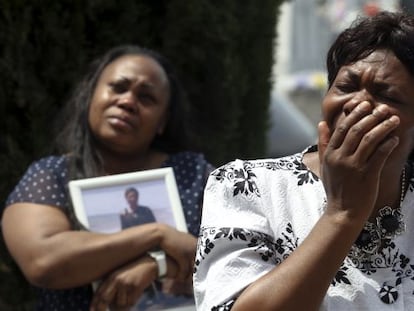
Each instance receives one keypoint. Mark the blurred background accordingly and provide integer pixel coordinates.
(254, 72)
(305, 30)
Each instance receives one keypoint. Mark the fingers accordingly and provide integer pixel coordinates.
(343, 128)
(363, 133)
(378, 142)
(103, 297)
(124, 286)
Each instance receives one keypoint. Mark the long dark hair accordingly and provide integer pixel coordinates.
(76, 139)
(393, 31)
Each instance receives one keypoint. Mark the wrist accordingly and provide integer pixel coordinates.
(161, 260)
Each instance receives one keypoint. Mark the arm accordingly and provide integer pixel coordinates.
(47, 250)
(351, 181)
(124, 286)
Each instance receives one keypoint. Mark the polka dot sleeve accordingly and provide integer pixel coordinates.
(43, 183)
(191, 171)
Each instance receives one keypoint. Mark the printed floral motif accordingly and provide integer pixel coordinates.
(388, 257)
(243, 178)
(341, 276)
(225, 306)
(263, 244)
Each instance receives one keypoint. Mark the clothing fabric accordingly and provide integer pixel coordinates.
(143, 215)
(46, 182)
(256, 213)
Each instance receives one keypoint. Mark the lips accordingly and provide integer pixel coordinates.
(122, 121)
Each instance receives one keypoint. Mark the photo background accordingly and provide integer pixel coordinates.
(104, 205)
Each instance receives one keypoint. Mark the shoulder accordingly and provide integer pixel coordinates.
(50, 163)
(43, 182)
(190, 165)
(47, 167)
(187, 157)
(278, 168)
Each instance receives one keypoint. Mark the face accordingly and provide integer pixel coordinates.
(129, 105)
(380, 78)
(132, 198)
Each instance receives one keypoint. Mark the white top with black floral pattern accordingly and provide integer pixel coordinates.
(257, 212)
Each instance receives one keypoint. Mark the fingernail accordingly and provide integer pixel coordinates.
(394, 119)
(364, 104)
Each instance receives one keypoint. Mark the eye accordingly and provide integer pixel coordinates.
(390, 98)
(119, 87)
(346, 87)
(146, 98)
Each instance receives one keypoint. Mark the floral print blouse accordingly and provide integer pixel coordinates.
(255, 215)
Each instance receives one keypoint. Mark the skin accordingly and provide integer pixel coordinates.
(128, 108)
(132, 199)
(364, 141)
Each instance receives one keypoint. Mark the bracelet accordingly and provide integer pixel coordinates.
(161, 261)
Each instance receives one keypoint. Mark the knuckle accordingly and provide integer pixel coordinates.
(368, 138)
(341, 128)
(356, 129)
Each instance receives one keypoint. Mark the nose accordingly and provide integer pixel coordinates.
(361, 96)
(128, 102)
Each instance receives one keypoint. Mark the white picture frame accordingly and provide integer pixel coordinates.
(99, 201)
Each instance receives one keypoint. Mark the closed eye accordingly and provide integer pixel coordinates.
(119, 87)
(146, 98)
(346, 87)
(388, 98)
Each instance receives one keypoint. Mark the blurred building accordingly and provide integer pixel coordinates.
(306, 29)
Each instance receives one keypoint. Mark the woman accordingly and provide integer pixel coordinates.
(128, 114)
(330, 228)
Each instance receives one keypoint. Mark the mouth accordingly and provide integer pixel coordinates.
(121, 122)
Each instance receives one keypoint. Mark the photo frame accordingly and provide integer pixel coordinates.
(100, 202)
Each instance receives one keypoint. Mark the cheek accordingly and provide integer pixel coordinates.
(96, 108)
(332, 109)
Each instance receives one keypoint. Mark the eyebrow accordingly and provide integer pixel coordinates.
(355, 78)
(143, 84)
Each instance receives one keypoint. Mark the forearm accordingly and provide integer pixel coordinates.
(85, 256)
(301, 281)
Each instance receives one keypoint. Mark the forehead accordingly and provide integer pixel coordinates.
(135, 67)
(380, 66)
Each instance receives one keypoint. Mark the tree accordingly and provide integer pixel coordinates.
(223, 50)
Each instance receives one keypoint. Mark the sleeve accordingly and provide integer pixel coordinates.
(44, 182)
(191, 171)
(235, 245)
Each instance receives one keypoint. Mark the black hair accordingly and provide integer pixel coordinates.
(76, 138)
(131, 189)
(393, 31)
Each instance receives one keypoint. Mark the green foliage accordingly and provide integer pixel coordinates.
(222, 50)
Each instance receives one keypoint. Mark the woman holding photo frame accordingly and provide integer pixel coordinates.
(128, 114)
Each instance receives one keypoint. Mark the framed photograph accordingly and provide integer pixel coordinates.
(109, 204)
(112, 203)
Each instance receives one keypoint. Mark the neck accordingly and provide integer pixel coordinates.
(391, 189)
(118, 163)
(389, 185)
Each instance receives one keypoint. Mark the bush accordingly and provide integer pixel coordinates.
(222, 50)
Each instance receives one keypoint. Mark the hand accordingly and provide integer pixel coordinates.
(176, 287)
(121, 289)
(126, 212)
(352, 158)
(180, 247)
